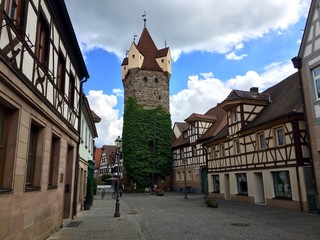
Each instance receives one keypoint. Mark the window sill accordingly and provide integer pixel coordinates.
(52, 187)
(5, 190)
(32, 188)
(242, 194)
(283, 198)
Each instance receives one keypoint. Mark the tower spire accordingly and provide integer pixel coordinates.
(145, 19)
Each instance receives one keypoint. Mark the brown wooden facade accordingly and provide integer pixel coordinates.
(41, 70)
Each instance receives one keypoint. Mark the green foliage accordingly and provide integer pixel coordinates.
(138, 134)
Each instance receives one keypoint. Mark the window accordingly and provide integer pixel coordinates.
(221, 150)
(234, 116)
(156, 80)
(145, 79)
(242, 184)
(61, 73)
(316, 77)
(189, 176)
(133, 56)
(236, 145)
(54, 162)
(16, 11)
(282, 187)
(8, 134)
(194, 151)
(177, 176)
(213, 152)
(71, 90)
(216, 183)
(193, 129)
(261, 141)
(42, 44)
(185, 134)
(279, 132)
(34, 161)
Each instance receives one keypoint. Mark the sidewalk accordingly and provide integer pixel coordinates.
(99, 223)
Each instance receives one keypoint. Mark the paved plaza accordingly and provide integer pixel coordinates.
(150, 217)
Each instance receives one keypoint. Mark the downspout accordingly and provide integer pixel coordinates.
(297, 63)
(205, 150)
(76, 173)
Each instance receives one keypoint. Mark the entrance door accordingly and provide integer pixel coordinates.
(68, 183)
(310, 189)
(258, 190)
(226, 186)
(203, 180)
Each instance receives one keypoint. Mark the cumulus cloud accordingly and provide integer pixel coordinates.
(111, 123)
(234, 56)
(205, 91)
(186, 25)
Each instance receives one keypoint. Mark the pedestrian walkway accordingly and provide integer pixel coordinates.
(98, 223)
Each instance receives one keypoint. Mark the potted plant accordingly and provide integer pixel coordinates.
(211, 202)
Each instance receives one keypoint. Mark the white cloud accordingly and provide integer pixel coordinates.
(203, 94)
(111, 123)
(118, 92)
(234, 56)
(185, 24)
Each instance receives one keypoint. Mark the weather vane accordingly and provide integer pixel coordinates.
(165, 43)
(134, 38)
(144, 18)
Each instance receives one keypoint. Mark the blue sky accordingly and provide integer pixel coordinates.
(216, 45)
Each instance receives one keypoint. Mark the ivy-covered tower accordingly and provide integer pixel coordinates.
(146, 73)
(147, 132)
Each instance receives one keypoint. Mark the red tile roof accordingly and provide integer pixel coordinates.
(97, 157)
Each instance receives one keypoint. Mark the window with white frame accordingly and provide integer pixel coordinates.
(213, 152)
(280, 140)
(185, 134)
(236, 145)
(193, 129)
(316, 77)
(261, 141)
(234, 116)
(242, 183)
(282, 186)
(221, 150)
(216, 183)
(194, 151)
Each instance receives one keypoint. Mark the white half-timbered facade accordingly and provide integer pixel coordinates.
(41, 74)
(189, 158)
(308, 64)
(262, 153)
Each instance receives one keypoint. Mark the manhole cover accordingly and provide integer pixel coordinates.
(74, 224)
(240, 224)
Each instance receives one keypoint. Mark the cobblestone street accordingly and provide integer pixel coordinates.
(150, 217)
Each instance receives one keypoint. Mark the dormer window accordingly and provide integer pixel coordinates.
(185, 134)
(193, 129)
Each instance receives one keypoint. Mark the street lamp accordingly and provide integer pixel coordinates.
(118, 143)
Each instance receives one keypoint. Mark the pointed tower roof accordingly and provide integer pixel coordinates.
(149, 50)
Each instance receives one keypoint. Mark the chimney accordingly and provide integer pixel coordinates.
(254, 90)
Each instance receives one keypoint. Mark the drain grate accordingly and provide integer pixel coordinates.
(239, 224)
(74, 224)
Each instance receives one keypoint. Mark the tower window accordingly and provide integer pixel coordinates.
(133, 56)
(159, 97)
(145, 79)
(162, 60)
(156, 80)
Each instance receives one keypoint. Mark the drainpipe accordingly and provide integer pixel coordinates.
(76, 173)
(297, 63)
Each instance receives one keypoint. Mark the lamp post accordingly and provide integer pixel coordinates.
(118, 144)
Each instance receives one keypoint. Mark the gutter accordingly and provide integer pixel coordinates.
(76, 173)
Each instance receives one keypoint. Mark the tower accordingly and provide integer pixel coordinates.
(146, 73)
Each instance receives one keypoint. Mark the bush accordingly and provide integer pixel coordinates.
(211, 202)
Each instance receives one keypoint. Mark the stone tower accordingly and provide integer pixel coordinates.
(146, 73)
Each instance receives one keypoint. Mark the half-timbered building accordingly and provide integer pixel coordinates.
(261, 155)
(189, 159)
(308, 64)
(41, 74)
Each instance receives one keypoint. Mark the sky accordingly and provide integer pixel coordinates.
(216, 46)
